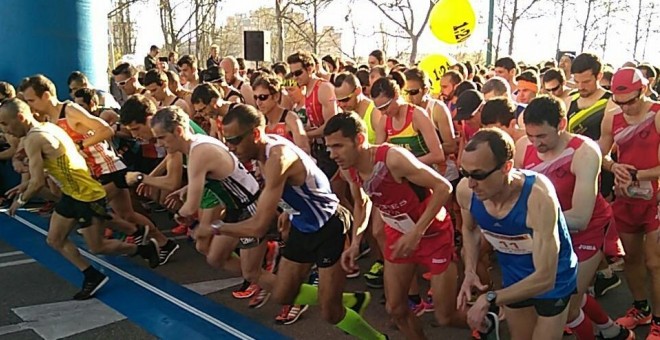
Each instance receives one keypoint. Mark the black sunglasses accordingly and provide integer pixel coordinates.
(297, 73)
(627, 102)
(261, 97)
(235, 140)
(412, 92)
(554, 88)
(347, 98)
(478, 176)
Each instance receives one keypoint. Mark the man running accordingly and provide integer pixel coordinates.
(634, 126)
(49, 148)
(550, 150)
(519, 214)
(317, 223)
(418, 229)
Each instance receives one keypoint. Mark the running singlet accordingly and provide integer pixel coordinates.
(312, 204)
(280, 128)
(558, 171)
(69, 171)
(239, 190)
(407, 137)
(100, 157)
(587, 121)
(313, 108)
(400, 204)
(448, 169)
(637, 145)
(371, 133)
(512, 240)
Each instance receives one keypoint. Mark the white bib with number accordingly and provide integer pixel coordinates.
(510, 244)
(402, 223)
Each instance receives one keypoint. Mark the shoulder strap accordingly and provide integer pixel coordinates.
(283, 117)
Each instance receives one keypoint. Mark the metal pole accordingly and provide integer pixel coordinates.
(491, 17)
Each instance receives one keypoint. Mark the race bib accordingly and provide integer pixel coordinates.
(640, 189)
(287, 208)
(402, 223)
(510, 244)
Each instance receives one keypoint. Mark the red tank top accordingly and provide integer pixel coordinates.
(313, 107)
(638, 144)
(559, 172)
(401, 204)
(280, 128)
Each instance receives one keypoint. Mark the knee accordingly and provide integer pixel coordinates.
(443, 318)
(54, 242)
(332, 313)
(396, 310)
(95, 248)
(653, 263)
(215, 261)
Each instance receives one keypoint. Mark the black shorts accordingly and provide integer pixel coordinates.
(118, 178)
(325, 163)
(233, 216)
(323, 247)
(544, 307)
(84, 212)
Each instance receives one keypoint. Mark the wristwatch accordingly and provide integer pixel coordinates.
(140, 178)
(216, 226)
(491, 296)
(80, 144)
(20, 200)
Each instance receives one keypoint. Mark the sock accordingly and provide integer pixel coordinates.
(643, 306)
(595, 312)
(656, 320)
(355, 325)
(607, 272)
(307, 295)
(581, 327)
(91, 272)
(415, 298)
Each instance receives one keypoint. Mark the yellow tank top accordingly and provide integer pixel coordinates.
(371, 133)
(69, 171)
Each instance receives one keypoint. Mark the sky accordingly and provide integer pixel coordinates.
(535, 40)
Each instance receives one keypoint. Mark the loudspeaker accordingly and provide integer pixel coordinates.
(256, 45)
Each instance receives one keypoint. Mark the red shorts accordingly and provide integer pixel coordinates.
(587, 243)
(635, 216)
(433, 252)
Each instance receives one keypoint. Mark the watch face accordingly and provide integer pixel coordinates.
(491, 296)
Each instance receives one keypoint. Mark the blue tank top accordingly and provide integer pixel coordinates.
(312, 204)
(512, 240)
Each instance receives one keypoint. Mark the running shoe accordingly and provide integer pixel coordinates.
(604, 284)
(259, 299)
(654, 332)
(167, 251)
(90, 286)
(151, 253)
(290, 314)
(416, 308)
(179, 230)
(624, 334)
(246, 290)
(140, 235)
(272, 250)
(493, 332)
(633, 318)
(374, 277)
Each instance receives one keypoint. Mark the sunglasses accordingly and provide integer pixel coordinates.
(347, 98)
(235, 140)
(627, 102)
(261, 97)
(554, 88)
(412, 92)
(122, 83)
(297, 73)
(479, 176)
(606, 87)
(385, 106)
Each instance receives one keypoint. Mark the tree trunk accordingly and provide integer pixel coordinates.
(561, 25)
(514, 19)
(639, 14)
(413, 50)
(586, 25)
(648, 29)
(315, 28)
(499, 31)
(607, 27)
(279, 36)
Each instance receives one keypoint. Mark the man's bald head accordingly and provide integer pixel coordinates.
(14, 116)
(11, 107)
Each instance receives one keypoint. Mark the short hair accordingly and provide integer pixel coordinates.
(187, 59)
(172, 54)
(648, 70)
(280, 68)
(461, 69)
(241, 63)
(398, 77)
(153, 48)
(269, 82)
(380, 69)
(331, 60)
(213, 46)
(349, 123)
(303, 57)
(499, 143)
(155, 76)
(500, 110)
(136, 109)
(544, 109)
(587, 62)
(204, 93)
(506, 63)
(88, 95)
(418, 75)
(125, 69)
(608, 73)
(378, 54)
(39, 84)
(463, 86)
(78, 77)
(498, 85)
(7, 90)
(363, 76)
(247, 116)
(385, 86)
(260, 73)
(468, 66)
(170, 117)
(393, 61)
(347, 78)
(351, 69)
(529, 76)
(554, 73)
(454, 76)
(14, 106)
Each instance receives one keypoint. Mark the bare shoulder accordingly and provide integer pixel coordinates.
(542, 193)
(464, 194)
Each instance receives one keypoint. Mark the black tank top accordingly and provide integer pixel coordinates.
(587, 121)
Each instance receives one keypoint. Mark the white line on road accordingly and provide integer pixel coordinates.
(16, 263)
(11, 253)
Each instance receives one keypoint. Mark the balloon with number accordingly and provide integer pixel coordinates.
(452, 21)
(435, 66)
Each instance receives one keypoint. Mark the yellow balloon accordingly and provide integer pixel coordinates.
(435, 66)
(452, 21)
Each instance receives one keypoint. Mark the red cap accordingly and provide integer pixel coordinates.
(627, 80)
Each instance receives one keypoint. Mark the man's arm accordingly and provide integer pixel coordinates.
(542, 216)
(174, 171)
(586, 168)
(381, 130)
(424, 124)
(329, 105)
(11, 151)
(442, 120)
(275, 173)
(82, 121)
(361, 208)
(470, 231)
(248, 94)
(198, 167)
(606, 140)
(295, 126)
(519, 155)
(33, 149)
(651, 174)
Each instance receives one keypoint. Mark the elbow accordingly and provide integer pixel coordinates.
(449, 148)
(546, 282)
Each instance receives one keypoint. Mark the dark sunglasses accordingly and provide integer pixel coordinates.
(606, 87)
(261, 97)
(412, 92)
(554, 88)
(347, 98)
(479, 176)
(235, 140)
(627, 102)
(297, 73)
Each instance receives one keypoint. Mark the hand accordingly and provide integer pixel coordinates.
(406, 245)
(348, 258)
(184, 220)
(470, 281)
(20, 165)
(143, 190)
(15, 191)
(13, 208)
(622, 172)
(476, 315)
(132, 177)
(176, 197)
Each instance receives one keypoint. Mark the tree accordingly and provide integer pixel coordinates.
(401, 14)
(651, 15)
(122, 29)
(199, 23)
(562, 4)
(639, 17)
(585, 27)
(519, 12)
(314, 36)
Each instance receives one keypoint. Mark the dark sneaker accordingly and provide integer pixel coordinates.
(493, 332)
(624, 334)
(167, 251)
(363, 299)
(91, 286)
(364, 250)
(140, 236)
(374, 277)
(150, 252)
(603, 285)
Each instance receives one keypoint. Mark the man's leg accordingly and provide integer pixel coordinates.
(397, 284)
(549, 327)
(578, 322)
(444, 285)
(220, 254)
(652, 253)
(121, 204)
(58, 239)
(635, 272)
(521, 322)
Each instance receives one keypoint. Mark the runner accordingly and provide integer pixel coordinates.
(419, 232)
(156, 83)
(126, 78)
(49, 148)
(550, 150)
(634, 126)
(231, 72)
(519, 214)
(500, 112)
(317, 223)
(554, 83)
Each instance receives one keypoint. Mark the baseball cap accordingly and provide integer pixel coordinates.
(467, 104)
(214, 74)
(627, 80)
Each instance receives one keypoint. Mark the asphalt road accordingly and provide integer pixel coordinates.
(35, 303)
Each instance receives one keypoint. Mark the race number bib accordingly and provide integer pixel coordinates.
(641, 190)
(402, 223)
(510, 244)
(287, 208)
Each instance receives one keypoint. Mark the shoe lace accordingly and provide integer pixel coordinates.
(655, 329)
(633, 312)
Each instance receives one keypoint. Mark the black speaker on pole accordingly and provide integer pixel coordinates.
(256, 45)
